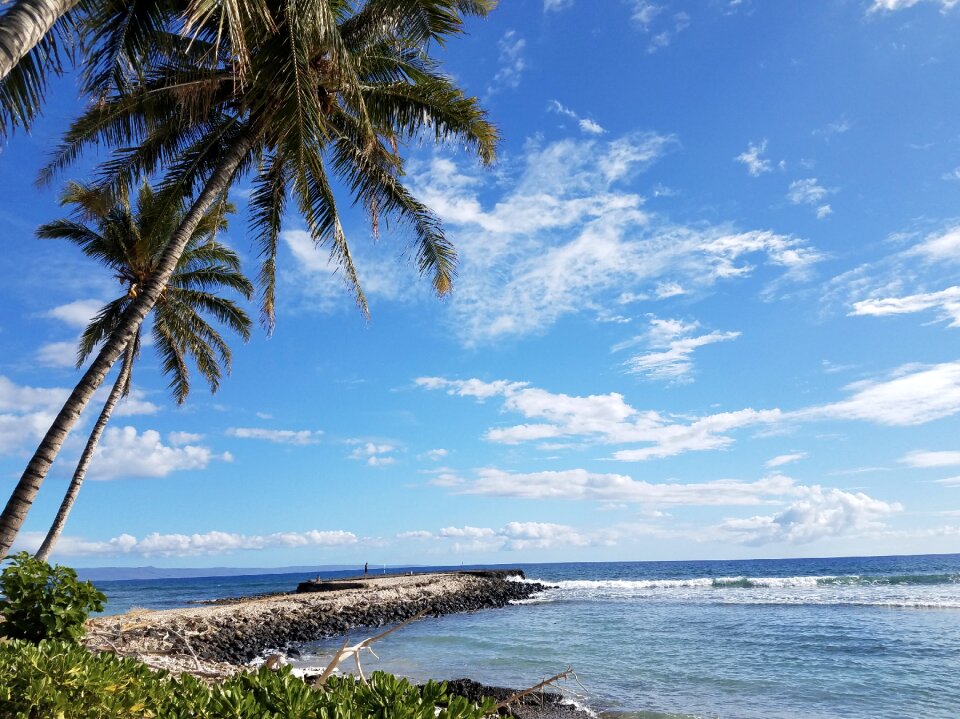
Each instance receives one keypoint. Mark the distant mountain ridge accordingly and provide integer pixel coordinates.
(117, 573)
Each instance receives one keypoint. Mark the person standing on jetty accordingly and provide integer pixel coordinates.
(366, 567)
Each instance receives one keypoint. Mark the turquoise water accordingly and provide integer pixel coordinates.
(853, 637)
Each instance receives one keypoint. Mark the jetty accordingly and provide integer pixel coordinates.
(218, 639)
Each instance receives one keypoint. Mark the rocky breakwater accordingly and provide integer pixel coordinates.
(213, 640)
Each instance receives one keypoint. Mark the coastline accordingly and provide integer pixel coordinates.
(222, 637)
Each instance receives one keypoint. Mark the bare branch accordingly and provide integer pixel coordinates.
(566, 674)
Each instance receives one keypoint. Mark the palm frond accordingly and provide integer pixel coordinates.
(22, 91)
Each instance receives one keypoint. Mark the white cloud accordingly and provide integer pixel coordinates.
(665, 290)
(317, 284)
(940, 246)
(57, 354)
(135, 403)
(810, 192)
(674, 343)
(783, 459)
(180, 438)
(581, 484)
(26, 413)
(908, 280)
(518, 536)
(466, 532)
(192, 545)
(77, 313)
(556, 5)
(753, 158)
(643, 12)
(914, 394)
(434, 455)
(123, 452)
(817, 514)
(587, 125)
(278, 436)
(590, 126)
(946, 301)
(561, 238)
(892, 5)
(603, 418)
(949, 481)
(911, 395)
(951, 176)
(655, 19)
(512, 62)
(375, 455)
(839, 127)
(932, 459)
(415, 534)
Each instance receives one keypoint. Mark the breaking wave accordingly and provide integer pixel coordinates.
(909, 591)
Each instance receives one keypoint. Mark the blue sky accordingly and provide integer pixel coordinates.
(708, 307)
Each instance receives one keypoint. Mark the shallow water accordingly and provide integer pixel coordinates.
(861, 637)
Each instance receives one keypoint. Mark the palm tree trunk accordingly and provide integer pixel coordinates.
(26, 490)
(81, 471)
(22, 27)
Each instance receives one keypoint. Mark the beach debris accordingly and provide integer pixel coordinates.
(552, 681)
(345, 652)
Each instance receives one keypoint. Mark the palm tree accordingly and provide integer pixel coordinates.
(117, 40)
(332, 88)
(128, 241)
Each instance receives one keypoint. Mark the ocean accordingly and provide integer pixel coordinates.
(812, 638)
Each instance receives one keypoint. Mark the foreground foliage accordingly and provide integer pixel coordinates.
(59, 679)
(44, 602)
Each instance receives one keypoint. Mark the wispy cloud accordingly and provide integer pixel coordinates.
(909, 279)
(434, 455)
(783, 459)
(373, 453)
(657, 20)
(605, 418)
(810, 192)
(753, 158)
(277, 436)
(839, 127)
(893, 5)
(673, 343)
(911, 395)
(947, 302)
(585, 124)
(565, 238)
(925, 459)
(512, 62)
(581, 484)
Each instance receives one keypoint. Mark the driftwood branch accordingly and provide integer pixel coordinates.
(186, 643)
(354, 651)
(566, 674)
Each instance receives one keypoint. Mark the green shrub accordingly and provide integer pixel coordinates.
(44, 602)
(60, 679)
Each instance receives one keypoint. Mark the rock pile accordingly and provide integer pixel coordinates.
(239, 632)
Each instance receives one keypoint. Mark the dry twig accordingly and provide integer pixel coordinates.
(354, 651)
(545, 683)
